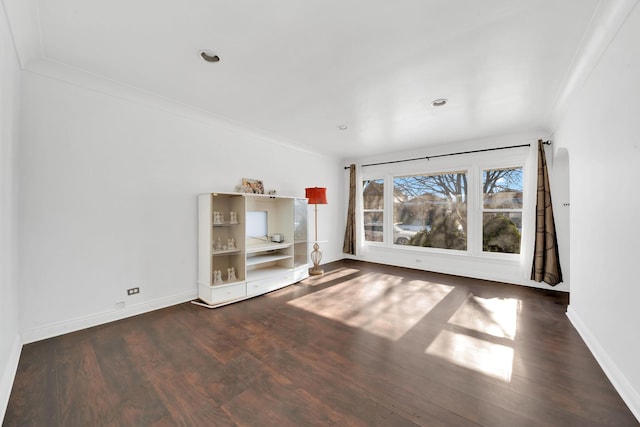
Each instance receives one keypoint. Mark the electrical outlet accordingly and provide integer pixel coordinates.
(133, 291)
(418, 260)
(120, 304)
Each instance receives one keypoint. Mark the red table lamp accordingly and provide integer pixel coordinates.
(317, 196)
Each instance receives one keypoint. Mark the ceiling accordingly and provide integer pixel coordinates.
(295, 70)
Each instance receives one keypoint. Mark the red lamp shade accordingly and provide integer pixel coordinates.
(316, 195)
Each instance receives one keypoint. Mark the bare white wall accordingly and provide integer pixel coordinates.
(558, 164)
(601, 133)
(10, 341)
(108, 186)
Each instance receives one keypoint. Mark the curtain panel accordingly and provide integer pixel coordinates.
(349, 246)
(546, 259)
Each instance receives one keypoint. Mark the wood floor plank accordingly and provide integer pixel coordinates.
(34, 397)
(343, 387)
(135, 399)
(362, 345)
(79, 374)
(186, 404)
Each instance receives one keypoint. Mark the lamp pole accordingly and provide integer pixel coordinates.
(316, 255)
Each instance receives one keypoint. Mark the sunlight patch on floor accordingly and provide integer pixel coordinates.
(493, 316)
(377, 303)
(480, 355)
(479, 336)
(336, 274)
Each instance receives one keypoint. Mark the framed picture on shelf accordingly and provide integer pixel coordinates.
(253, 186)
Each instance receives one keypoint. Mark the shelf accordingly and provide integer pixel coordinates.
(267, 247)
(226, 252)
(225, 224)
(263, 259)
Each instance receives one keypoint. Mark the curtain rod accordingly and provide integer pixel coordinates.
(451, 154)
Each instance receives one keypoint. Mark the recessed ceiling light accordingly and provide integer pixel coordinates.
(343, 127)
(209, 56)
(440, 102)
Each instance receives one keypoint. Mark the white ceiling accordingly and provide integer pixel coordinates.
(296, 69)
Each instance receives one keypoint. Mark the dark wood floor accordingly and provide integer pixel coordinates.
(363, 345)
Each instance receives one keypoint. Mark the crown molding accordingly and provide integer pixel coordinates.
(608, 17)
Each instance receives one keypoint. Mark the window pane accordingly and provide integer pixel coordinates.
(501, 232)
(373, 226)
(373, 194)
(431, 210)
(502, 188)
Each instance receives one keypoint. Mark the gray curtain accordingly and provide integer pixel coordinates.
(546, 260)
(349, 246)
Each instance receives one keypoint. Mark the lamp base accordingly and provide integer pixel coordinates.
(316, 257)
(315, 271)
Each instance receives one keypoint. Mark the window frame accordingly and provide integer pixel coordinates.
(383, 211)
(483, 210)
(474, 164)
(445, 172)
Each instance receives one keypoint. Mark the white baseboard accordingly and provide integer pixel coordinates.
(72, 325)
(630, 395)
(8, 375)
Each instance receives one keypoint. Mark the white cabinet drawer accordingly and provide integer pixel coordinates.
(262, 286)
(222, 293)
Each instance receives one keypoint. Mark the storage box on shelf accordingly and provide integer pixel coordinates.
(237, 257)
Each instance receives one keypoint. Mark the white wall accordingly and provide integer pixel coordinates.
(10, 342)
(558, 163)
(108, 185)
(601, 132)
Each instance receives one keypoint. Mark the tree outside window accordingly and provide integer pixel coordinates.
(431, 210)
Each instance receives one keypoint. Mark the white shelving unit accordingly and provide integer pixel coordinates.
(260, 265)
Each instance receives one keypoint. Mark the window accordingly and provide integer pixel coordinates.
(373, 210)
(502, 194)
(475, 206)
(431, 210)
